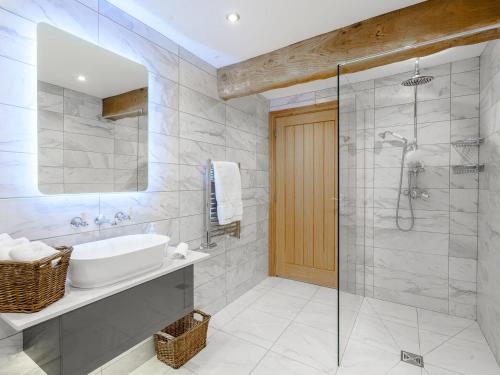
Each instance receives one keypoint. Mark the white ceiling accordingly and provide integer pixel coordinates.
(62, 57)
(266, 25)
(442, 57)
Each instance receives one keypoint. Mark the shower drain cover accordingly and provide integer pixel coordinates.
(412, 359)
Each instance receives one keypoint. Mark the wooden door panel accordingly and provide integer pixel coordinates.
(305, 187)
(308, 196)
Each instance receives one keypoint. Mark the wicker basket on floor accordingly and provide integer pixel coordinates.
(182, 340)
(31, 286)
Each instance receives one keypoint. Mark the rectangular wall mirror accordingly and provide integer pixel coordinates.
(92, 117)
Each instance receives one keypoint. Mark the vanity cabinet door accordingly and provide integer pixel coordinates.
(97, 333)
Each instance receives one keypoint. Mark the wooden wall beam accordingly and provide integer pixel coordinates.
(120, 105)
(317, 57)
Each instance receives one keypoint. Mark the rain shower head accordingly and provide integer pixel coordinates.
(417, 78)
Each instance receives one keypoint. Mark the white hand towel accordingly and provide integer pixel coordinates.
(227, 180)
(181, 250)
(32, 251)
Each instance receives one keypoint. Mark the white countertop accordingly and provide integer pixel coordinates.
(76, 298)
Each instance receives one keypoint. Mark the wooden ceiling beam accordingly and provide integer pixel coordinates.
(317, 57)
(127, 104)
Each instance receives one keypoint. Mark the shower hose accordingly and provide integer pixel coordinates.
(412, 223)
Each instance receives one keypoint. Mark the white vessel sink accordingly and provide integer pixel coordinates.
(100, 263)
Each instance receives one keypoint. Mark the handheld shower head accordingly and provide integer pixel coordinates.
(395, 135)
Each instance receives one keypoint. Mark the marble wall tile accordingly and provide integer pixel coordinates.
(18, 83)
(241, 140)
(79, 142)
(465, 65)
(197, 79)
(81, 125)
(126, 43)
(419, 263)
(193, 102)
(163, 120)
(18, 131)
(163, 148)
(191, 227)
(50, 120)
(247, 159)
(49, 157)
(463, 129)
(465, 83)
(211, 269)
(198, 153)
(199, 129)
(51, 139)
(206, 294)
(163, 91)
(401, 281)
(463, 269)
(394, 115)
(142, 207)
(87, 175)
(50, 175)
(438, 88)
(16, 177)
(463, 223)
(240, 120)
(196, 61)
(17, 38)
(463, 107)
(425, 302)
(192, 202)
(117, 15)
(71, 15)
(463, 246)
(23, 216)
(163, 177)
(192, 177)
(463, 200)
(433, 111)
(488, 282)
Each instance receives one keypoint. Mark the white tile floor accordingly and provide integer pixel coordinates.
(283, 327)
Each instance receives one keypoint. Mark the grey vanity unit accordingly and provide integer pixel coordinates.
(84, 339)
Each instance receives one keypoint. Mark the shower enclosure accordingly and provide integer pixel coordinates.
(411, 165)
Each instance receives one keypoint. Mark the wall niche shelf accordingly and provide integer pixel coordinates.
(468, 168)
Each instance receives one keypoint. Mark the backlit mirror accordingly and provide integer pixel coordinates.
(92, 117)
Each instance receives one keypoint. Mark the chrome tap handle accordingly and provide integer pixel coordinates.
(78, 222)
(101, 219)
(120, 216)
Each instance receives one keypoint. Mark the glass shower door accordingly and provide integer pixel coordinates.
(353, 131)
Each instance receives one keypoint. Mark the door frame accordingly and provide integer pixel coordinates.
(273, 116)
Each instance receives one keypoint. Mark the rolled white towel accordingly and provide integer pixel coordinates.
(181, 250)
(5, 253)
(32, 251)
(7, 245)
(5, 237)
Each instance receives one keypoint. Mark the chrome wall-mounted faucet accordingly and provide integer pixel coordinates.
(101, 219)
(78, 222)
(121, 216)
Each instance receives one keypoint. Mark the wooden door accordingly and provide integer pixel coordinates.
(304, 186)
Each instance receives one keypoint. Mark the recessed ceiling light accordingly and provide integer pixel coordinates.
(233, 17)
(81, 78)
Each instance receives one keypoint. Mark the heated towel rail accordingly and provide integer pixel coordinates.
(212, 226)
